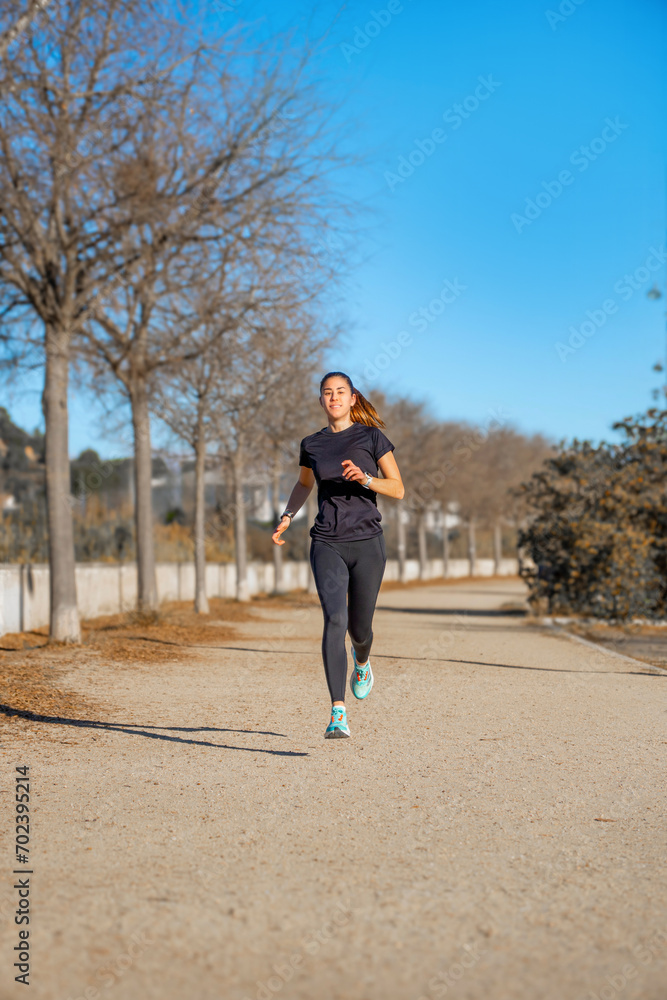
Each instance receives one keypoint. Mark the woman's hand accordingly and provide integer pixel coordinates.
(353, 472)
(285, 522)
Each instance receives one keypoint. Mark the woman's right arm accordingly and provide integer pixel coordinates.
(297, 498)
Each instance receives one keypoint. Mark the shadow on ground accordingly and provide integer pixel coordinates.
(136, 729)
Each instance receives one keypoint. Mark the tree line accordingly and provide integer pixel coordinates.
(172, 234)
(164, 198)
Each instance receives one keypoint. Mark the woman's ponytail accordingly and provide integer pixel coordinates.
(364, 412)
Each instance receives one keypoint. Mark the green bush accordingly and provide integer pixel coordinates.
(596, 526)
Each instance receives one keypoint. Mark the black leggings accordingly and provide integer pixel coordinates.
(342, 568)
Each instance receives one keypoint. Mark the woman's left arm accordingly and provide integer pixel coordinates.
(390, 486)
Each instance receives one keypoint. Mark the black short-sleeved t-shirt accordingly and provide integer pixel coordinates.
(347, 510)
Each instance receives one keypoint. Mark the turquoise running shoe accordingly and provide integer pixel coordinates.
(338, 727)
(361, 681)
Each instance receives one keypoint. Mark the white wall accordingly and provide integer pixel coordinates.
(106, 589)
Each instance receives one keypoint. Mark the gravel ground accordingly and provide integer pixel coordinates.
(493, 829)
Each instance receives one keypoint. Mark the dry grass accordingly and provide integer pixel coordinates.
(38, 688)
(33, 671)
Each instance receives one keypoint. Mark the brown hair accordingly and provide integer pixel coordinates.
(363, 412)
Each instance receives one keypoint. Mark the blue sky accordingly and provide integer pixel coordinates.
(561, 117)
(558, 83)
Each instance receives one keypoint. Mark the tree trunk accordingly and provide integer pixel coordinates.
(497, 547)
(143, 491)
(445, 547)
(423, 549)
(278, 587)
(311, 514)
(401, 543)
(472, 547)
(240, 532)
(64, 615)
(201, 601)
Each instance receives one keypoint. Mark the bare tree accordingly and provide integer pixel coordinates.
(145, 338)
(493, 461)
(221, 397)
(194, 399)
(185, 402)
(414, 432)
(442, 480)
(80, 78)
(286, 420)
(224, 189)
(514, 458)
(275, 357)
(125, 144)
(241, 441)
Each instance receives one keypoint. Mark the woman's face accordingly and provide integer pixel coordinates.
(337, 398)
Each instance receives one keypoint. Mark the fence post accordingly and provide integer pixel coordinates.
(22, 597)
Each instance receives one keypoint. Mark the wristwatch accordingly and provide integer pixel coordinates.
(368, 479)
(287, 513)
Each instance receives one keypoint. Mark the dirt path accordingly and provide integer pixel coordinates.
(495, 828)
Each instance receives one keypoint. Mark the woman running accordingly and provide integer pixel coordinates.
(347, 551)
